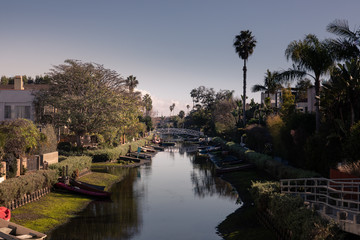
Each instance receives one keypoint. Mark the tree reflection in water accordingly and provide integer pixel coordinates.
(119, 218)
(206, 183)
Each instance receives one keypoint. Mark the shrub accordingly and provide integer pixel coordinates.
(257, 137)
(289, 212)
(14, 188)
(64, 146)
(74, 163)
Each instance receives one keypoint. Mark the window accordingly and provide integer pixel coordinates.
(22, 112)
(7, 112)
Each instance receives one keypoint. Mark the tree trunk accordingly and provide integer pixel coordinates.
(78, 140)
(317, 103)
(244, 94)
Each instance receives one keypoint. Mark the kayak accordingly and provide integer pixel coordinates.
(5, 213)
(82, 191)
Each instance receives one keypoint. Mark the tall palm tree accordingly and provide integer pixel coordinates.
(131, 82)
(310, 55)
(271, 85)
(348, 45)
(244, 44)
(172, 107)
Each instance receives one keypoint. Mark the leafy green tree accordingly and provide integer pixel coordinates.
(288, 102)
(244, 44)
(19, 137)
(181, 114)
(4, 80)
(87, 98)
(310, 54)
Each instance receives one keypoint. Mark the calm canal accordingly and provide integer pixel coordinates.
(174, 197)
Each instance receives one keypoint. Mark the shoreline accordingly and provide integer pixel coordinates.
(57, 208)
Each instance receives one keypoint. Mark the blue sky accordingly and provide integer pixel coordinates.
(170, 46)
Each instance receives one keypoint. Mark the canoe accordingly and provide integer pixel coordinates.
(146, 149)
(167, 143)
(82, 191)
(157, 148)
(12, 231)
(88, 187)
(235, 168)
(5, 213)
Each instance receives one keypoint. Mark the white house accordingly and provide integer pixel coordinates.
(306, 106)
(17, 101)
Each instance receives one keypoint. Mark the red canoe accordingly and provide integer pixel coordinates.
(82, 191)
(5, 213)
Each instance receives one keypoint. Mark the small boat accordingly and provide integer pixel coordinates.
(82, 191)
(167, 143)
(234, 168)
(12, 231)
(89, 187)
(5, 213)
(146, 149)
(157, 148)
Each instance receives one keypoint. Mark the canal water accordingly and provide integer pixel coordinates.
(175, 196)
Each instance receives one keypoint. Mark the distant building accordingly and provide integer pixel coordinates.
(304, 105)
(17, 101)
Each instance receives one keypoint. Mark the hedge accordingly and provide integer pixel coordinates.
(289, 212)
(74, 163)
(14, 188)
(108, 154)
(266, 162)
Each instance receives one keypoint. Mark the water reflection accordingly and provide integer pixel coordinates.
(119, 218)
(157, 201)
(205, 181)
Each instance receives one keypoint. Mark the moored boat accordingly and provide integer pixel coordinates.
(9, 230)
(167, 143)
(82, 191)
(5, 213)
(89, 187)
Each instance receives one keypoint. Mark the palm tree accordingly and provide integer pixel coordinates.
(311, 55)
(348, 45)
(271, 85)
(131, 82)
(172, 107)
(345, 85)
(244, 44)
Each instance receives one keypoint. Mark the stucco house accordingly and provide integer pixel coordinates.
(17, 101)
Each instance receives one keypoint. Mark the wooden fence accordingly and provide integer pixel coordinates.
(28, 198)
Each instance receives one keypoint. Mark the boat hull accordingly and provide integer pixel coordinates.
(82, 191)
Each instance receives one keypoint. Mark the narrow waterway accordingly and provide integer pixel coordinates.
(174, 197)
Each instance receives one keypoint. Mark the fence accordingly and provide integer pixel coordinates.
(27, 198)
(333, 199)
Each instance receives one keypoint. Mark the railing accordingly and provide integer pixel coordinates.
(334, 199)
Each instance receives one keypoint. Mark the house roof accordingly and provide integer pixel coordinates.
(26, 87)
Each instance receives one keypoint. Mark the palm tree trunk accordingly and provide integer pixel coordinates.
(317, 103)
(244, 94)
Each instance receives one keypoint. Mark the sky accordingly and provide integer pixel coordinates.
(170, 46)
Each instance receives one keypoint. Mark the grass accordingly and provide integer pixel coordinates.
(57, 208)
(50, 211)
(243, 223)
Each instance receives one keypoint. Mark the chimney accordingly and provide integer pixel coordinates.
(18, 83)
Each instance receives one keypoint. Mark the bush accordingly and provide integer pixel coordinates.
(15, 188)
(289, 212)
(64, 146)
(257, 137)
(74, 163)
(109, 154)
